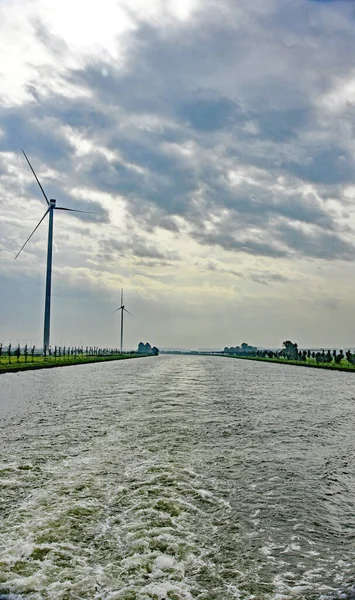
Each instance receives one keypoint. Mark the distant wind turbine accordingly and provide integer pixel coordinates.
(122, 309)
(51, 207)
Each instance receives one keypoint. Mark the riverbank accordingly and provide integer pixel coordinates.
(344, 366)
(49, 363)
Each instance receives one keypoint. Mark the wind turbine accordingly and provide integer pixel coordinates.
(122, 309)
(50, 210)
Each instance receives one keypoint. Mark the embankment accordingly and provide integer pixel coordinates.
(39, 363)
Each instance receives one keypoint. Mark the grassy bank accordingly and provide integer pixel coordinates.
(39, 362)
(311, 362)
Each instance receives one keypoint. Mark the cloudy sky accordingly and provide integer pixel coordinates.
(214, 140)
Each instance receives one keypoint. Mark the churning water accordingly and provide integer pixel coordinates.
(177, 478)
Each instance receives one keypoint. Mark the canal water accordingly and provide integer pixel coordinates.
(177, 477)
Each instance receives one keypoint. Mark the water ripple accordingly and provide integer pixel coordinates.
(177, 478)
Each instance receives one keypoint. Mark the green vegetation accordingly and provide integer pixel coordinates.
(62, 356)
(344, 365)
(45, 362)
(147, 349)
(290, 354)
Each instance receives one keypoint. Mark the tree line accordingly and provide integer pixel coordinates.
(290, 351)
(53, 353)
(65, 352)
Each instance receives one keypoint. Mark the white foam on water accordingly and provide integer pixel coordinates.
(137, 496)
(164, 562)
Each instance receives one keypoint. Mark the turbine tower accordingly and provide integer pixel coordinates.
(122, 309)
(50, 210)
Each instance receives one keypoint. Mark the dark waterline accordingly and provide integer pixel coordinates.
(179, 477)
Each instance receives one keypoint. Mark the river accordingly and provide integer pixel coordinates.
(177, 477)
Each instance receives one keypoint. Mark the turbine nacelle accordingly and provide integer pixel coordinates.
(52, 203)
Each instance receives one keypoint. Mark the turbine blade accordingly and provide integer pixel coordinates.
(116, 310)
(127, 311)
(45, 214)
(87, 212)
(43, 192)
(121, 297)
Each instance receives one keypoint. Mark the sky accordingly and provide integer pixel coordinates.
(213, 140)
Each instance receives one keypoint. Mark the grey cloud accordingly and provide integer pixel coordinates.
(150, 264)
(326, 166)
(35, 133)
(217, 268)
(135, 245)
(96, 213)
(51, 42)
(262, 277)
(44, 144)
(169, 224)
(267, 277)
(203, 84)
(249, 246)
(330, 303)
(209, 115)
(318, 244)
(283, 125)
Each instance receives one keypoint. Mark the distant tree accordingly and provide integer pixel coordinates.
(323, 356)
(328, 357)
(18, 352)
(349, 357)
(340, 357)
(290, 350)
(308, 354)
(246, 349)
(141, 348)
(9, 353)
(25, 353)
(0, 350)
(55, 352)
(33, 352)
(155, 351)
